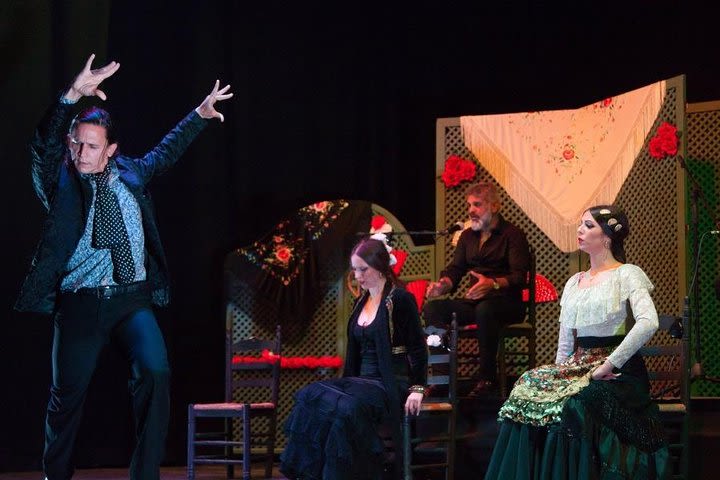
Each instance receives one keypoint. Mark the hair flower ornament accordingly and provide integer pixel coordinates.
(383, 238)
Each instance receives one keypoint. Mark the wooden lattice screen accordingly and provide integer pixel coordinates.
(652, 197)
(703, 153)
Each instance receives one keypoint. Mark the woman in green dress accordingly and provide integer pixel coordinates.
(589, 415)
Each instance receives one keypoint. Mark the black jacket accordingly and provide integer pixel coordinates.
(401, 351)
(67, 196)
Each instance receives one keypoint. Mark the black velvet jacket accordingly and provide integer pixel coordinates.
(67, 196)
(402, 351)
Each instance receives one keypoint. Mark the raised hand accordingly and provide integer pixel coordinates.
(87, 81)
(207, 108)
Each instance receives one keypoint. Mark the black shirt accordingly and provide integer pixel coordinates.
(505, 254)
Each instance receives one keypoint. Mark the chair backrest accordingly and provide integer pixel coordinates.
(531, 284)
(667, 364)
(449, 359)
(258, 362)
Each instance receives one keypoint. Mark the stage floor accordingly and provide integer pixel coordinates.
(477, 426)
(210, 472)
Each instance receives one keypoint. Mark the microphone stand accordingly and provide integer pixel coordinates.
(434, 233)
(691, 316)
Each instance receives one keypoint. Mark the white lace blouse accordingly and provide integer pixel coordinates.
(599, 311)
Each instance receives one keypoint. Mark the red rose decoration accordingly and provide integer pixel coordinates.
(665, 141)
(568, 154)
(377, 222)
(655, 148)
(457, 170)
(667, 130)
(670, 145)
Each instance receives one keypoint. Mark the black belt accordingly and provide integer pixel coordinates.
(108, 291)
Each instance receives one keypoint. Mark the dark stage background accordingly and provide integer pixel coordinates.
(330, 102)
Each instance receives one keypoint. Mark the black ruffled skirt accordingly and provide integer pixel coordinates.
(332, 431)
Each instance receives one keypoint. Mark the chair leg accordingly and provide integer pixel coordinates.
(246, 442)
(228, 435)
(502, 367)
(531, 351)
(270, 448)
(191, 444)
(450, 472)
(406, 448)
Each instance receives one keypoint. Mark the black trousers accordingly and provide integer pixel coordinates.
(83, 325)
(488, 314)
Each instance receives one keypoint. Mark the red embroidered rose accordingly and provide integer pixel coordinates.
(377, 222)
(283, 254)
(607, 102)
(457, 170)
(568, 154)
(319, 206)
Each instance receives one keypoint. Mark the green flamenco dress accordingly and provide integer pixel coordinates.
(558, 423)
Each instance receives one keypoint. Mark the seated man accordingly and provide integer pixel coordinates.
(496, 254)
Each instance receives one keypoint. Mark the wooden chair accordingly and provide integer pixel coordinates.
(669, 372)
(252, 367)
(435, 407)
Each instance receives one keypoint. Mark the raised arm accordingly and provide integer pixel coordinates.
(164, 155)
(207, 108)
(87, 82)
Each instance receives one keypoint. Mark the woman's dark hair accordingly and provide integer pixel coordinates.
(95, 116)
(614, 223)
(374, 253)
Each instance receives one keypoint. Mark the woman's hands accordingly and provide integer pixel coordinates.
(413, 402)
(605, 372)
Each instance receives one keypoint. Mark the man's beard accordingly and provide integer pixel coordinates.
(476, 224)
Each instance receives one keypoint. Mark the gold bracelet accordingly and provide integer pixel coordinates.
(417, 389)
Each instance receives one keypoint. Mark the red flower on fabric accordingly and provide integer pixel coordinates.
(283, 254)
(607, 102)
(319, 206)
(457, 170)
(377, 222)
(665, 141)
(568, 154)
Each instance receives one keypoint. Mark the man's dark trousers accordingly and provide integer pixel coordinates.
(84, 323)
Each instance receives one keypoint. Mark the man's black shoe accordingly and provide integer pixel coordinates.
(483, 388)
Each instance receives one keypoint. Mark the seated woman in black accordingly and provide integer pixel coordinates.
(332, 429)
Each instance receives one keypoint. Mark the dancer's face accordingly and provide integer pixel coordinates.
(366, 276)
(89, 149)
(591, 239)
